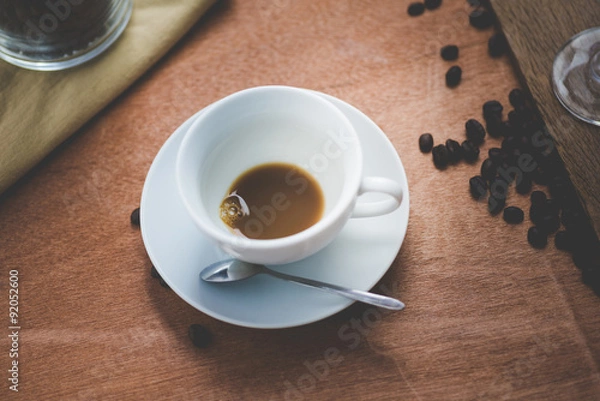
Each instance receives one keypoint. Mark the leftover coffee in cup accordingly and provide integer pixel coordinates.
(272, 200)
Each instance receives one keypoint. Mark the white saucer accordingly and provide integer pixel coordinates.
(357, 258)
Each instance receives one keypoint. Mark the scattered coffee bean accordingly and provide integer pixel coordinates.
(154, 273)
(497, 45)
(515, 119)
(475, 131)
(491, 109)
(499, 187)
(449, 52)
(470, 151)
(496, 155)
(440, 156)
(549, 223)
(201, 337)
(573, 218)
(478, 187)
(495, 205)
(559, 187)
(591, 278)
(537, 238)
(426, 143)
(553, 207)
(416, 9)
(488, 169)
(545, 215)
(524, 184)
(516, 98)
(513, 215)
(455, 152)
(538, 198)
(563, 241)
(583, 257)
(495, 126)
(432, 4)
(135, 217)
(481, 18)
(453, 76)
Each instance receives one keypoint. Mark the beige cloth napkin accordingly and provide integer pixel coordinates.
(39, 110)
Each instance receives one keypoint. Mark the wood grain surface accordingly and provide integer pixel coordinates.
(487, 318)
(526, 26)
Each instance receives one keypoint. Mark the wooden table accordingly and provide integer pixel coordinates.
(487, 316)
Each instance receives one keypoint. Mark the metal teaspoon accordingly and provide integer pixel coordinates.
(234, 270)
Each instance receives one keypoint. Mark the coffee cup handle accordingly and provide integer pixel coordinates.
(378, 208)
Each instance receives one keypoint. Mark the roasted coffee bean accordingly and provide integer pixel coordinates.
(455, 152)
(135, 217)
(586, 256)
(553, 207)
(591, 278)
(470, 151)
(497, 45)
(563, 241)
(559, 187)
(573, 218)
(536, 212)
(488, 169)
(540, 176)
(513, 215)
(440, 156)
(495, 126)
(492, 108)
(495, 205)
(432, 4)
(506, 128)
(524, 184)
(201, 337)
(478, 187)
(481, 18)
(453, 76)
(515, 119)
(545, 214)
(154, 272)
(509, 144)
(516, 98)
(416, 9)
(549, 223)
(496, 155)
(537, 238)
(499, 187)
(426, 143)
(475, 131)
(449, 52)
(524, 143)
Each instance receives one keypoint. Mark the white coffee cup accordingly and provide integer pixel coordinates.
(271, 124)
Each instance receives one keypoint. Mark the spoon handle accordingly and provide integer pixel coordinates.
(357, 295)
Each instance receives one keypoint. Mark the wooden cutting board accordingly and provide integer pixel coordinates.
(536, 30)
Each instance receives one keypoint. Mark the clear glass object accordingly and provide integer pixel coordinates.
(576, 75)
(49, 35)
